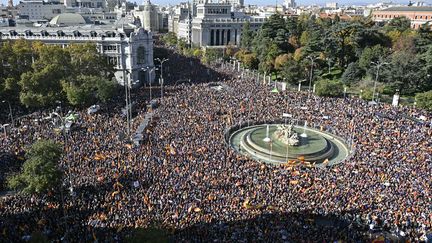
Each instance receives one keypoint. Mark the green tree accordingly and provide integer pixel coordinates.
(372, 54)
(16, 57)
(367, 37)
(329, 88)
(250, 61)
(86, 60)
(170, 39)
(40, 172)
(424, 100)
(247, 36)
(77, 95)
(352, 74)
(293, 71)
(424, 37)
(404, 73)
(399, 23)
(210, 55)
(181, 44)
(341, 42)
(106, 89)
(41, 88)
(281, 60)
(426, 66)
(84, 90)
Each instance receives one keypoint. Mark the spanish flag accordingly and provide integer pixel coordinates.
(294, 182)
(325, 162)
(246, 204)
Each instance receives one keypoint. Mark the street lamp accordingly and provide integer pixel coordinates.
(63, 122)
(10, 112)
(128, 107)
(161, 71)
(149, 69)
(311, 72)
(378, 64)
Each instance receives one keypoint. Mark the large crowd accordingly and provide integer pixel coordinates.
(188, 179)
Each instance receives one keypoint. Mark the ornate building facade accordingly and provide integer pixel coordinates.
(129, 50)
(214, 24)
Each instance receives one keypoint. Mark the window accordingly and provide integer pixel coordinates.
(141, 55)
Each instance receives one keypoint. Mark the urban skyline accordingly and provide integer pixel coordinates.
(279, 2)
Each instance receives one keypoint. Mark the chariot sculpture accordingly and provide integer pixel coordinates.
(287, 135)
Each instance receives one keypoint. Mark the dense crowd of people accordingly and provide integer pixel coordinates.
(188, 179)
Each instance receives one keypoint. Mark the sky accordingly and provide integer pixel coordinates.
(273, 2)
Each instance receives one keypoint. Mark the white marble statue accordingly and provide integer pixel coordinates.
(287, 135)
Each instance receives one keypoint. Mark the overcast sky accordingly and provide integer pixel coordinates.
(273, 2)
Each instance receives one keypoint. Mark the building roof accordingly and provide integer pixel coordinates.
(410, 9)
(71, 33)
(67, 19)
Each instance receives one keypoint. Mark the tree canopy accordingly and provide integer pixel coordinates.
(351, 48)
(40, 171)
(36, 75)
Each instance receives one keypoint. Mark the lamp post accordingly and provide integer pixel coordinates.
(63, 123)
(10, 112)
(161, 71)
(378, 64)
(127, 83)
(311, 72)
(149, 69)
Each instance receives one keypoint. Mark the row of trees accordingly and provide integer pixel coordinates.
(347, 51)
(36, 75)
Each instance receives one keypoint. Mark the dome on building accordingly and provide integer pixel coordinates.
(67, 19)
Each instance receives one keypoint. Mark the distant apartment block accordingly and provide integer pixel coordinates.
(417, 15)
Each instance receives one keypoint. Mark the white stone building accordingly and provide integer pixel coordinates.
(290, 4)
(216, 25)
(85, 3)
(151, 17)
(129, 50)
(177, 15)
(39, 9)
